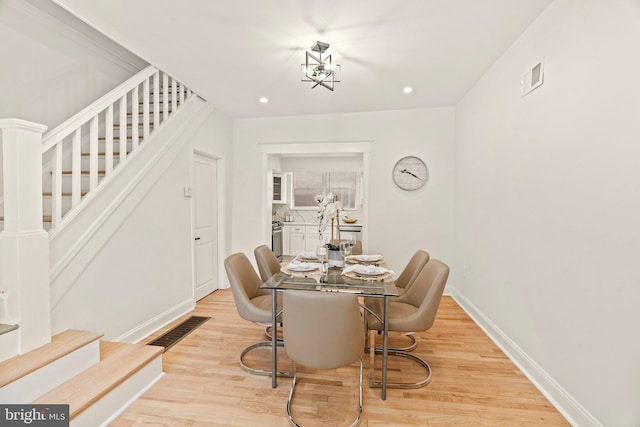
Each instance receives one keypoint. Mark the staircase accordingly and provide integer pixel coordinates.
(97, 379)
(89, 147)
(80, 158)
(84, 151)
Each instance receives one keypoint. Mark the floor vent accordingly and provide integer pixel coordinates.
(172, 337)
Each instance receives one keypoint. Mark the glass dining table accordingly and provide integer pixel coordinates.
(332, 281)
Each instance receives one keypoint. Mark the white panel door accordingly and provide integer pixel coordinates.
(205, 225)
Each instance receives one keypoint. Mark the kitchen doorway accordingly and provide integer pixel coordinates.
(271, 151)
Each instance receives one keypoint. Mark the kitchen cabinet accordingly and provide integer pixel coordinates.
(299, 238)
(281, 187)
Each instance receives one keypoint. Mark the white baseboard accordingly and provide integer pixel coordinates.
(142, 331)
(558, 396)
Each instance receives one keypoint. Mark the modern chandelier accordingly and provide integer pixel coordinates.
(319, 68)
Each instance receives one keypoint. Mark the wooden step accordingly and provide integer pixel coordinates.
(116, 139)
(140, 113)
(5, 329)
(118, 362)
(115, 154)
(61, 344)
(49, 194)
(117, 125)
(25, 377)
(45, 218)
(101, 172)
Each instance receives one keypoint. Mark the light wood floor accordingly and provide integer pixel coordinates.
(474, 383)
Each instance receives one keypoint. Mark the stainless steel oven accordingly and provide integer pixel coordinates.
(276, 238)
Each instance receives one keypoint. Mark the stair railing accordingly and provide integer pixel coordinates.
(126, 116)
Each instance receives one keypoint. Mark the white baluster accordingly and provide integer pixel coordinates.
(189, 92)
(123, 129)
(156, 99)
(93, 153)
(145, 110)
(76, 171)
(108, 140)
(181, 92)
(56, 186)
(135, 111)
(174, 98)
(165, 96)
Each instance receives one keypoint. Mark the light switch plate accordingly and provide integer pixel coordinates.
(187, 191)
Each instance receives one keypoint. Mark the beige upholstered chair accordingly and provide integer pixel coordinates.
(405, 280)
(253, 304)
(323, 331)
(268, 264)
(414, 311)
(411, 270)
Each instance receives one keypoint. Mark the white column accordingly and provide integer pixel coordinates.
(24, 244)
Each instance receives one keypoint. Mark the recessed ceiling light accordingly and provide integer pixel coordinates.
(407, 89)
(263, 100)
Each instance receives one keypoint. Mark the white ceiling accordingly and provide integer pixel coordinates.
(233, 52)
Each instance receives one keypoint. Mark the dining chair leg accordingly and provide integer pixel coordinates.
(293, 386)
(417, 384)
(265, 372)
(372, 354)
(410, 347)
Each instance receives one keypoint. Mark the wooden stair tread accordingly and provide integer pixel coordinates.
(101, 154)
(117, 125)
(118, 362)
(61, 344)
(49, 194)
(45, 218)
(100, 172)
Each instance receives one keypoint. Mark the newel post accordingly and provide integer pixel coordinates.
(24, 244)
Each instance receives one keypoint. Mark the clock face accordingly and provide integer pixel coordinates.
(410, 173)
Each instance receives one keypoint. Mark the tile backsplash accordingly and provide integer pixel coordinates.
(308, 216)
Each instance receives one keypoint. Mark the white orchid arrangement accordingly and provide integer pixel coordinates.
(327, 208)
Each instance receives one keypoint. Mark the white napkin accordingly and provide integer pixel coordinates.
(301, 265)
(365, 257)
(308, 255)
(371, 270)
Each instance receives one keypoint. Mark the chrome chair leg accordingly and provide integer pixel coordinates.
(410, 347)
(400, 353)
(265, 372)
(268, 329)
(293, 386)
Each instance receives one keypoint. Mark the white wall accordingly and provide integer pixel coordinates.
(53, 65)
(548, 200)
(399, 222)
(141, 277)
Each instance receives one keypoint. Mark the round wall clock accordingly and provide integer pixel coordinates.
(410, 173)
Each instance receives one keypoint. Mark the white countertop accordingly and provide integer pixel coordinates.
(315, 223)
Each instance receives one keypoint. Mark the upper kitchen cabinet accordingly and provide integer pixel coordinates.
(281, 187)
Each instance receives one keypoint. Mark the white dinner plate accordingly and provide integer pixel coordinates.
(368, 271)
(302, 266)
(367, 258)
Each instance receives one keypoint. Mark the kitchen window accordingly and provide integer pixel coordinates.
(307, 185)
